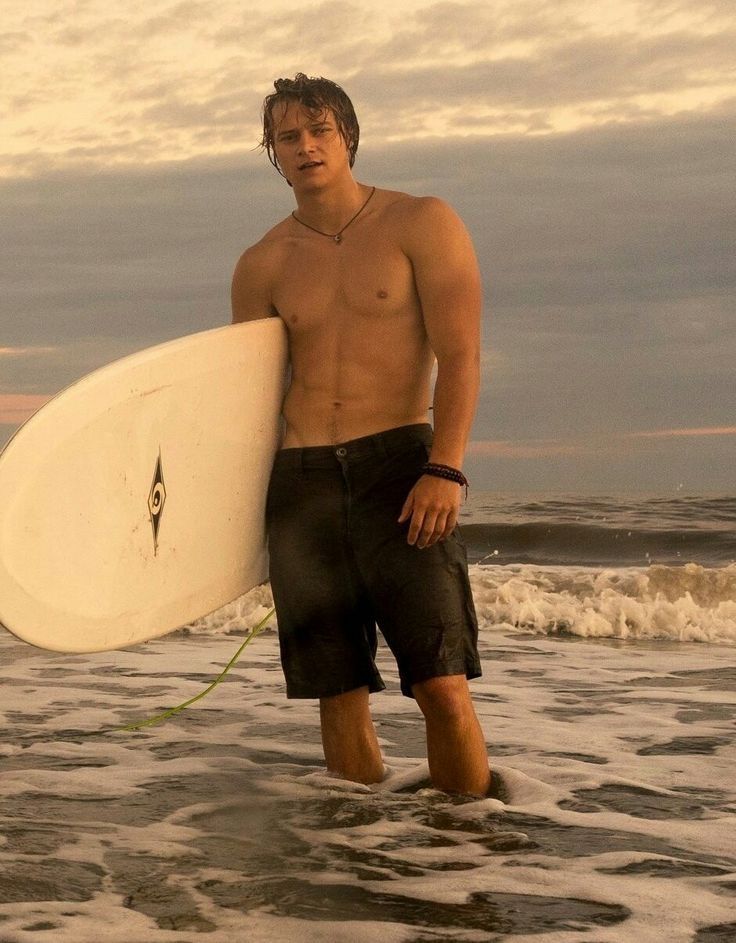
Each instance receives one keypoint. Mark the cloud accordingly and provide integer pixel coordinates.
(685, 433)
(186, 79)
(17, 407)
(11, 41)
(24, 351)
(523, 450)
(595, 444)
(605, 257)
(562, 73)
(178, 17)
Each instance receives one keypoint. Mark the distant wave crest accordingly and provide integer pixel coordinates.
(688, 603)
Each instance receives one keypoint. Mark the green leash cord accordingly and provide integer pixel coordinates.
(151, 721)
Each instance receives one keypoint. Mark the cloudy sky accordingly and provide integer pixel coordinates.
(587, 144)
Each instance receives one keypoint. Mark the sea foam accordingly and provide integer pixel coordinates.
(683, 604)
(689, 603)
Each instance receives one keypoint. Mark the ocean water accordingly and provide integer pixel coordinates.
(608, 701)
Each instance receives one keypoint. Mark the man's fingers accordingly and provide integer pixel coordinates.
(450, 524)
(416, 526)
(407, 508)
(433, 527)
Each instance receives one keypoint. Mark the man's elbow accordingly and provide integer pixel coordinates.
(464, 359)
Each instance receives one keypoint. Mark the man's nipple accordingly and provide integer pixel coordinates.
(382, 293)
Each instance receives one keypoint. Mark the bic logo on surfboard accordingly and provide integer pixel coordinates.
(156, 501)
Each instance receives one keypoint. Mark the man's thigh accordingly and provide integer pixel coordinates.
(327, 629)
(422, 598)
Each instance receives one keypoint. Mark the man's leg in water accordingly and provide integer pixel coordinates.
(349, 737)
(456, 747)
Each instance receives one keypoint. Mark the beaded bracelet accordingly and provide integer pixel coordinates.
(436, 470)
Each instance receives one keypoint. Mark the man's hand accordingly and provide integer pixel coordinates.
(433, 505)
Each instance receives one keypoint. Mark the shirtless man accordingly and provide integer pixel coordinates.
(372, 285)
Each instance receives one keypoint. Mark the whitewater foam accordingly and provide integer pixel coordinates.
(682, 604)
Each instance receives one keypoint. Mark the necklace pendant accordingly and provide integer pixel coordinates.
(337, 238)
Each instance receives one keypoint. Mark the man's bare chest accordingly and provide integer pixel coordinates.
(324, 281)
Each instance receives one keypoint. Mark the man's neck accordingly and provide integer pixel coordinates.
(328, 208)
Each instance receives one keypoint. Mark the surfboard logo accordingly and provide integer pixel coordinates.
(156, 501)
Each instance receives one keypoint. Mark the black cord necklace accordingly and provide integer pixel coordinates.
(336, 237)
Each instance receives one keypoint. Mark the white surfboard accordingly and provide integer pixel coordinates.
(133, 502)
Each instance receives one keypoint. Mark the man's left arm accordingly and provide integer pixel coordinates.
(448, 284)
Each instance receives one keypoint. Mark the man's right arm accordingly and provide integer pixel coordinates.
(251, 287)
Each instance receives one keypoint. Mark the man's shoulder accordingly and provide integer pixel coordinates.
(420, 222)
(407, 207)
(402, 202)
(260, 263)
(267, 247)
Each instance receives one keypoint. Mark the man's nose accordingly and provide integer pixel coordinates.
(306, 142)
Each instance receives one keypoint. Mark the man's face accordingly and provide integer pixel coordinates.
(308, 145)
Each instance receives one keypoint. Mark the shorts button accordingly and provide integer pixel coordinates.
(341, 452)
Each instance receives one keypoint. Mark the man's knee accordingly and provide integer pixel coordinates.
(446, 697)
(350, 705)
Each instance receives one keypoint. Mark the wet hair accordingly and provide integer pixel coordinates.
(315, 95)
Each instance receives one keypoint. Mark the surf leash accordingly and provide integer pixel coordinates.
(159, 718)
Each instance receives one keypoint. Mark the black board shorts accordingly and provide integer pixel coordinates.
(340, 564)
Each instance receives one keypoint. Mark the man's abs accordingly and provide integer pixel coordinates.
(313, 418)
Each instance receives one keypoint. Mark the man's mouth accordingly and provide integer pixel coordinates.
(310, 163)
